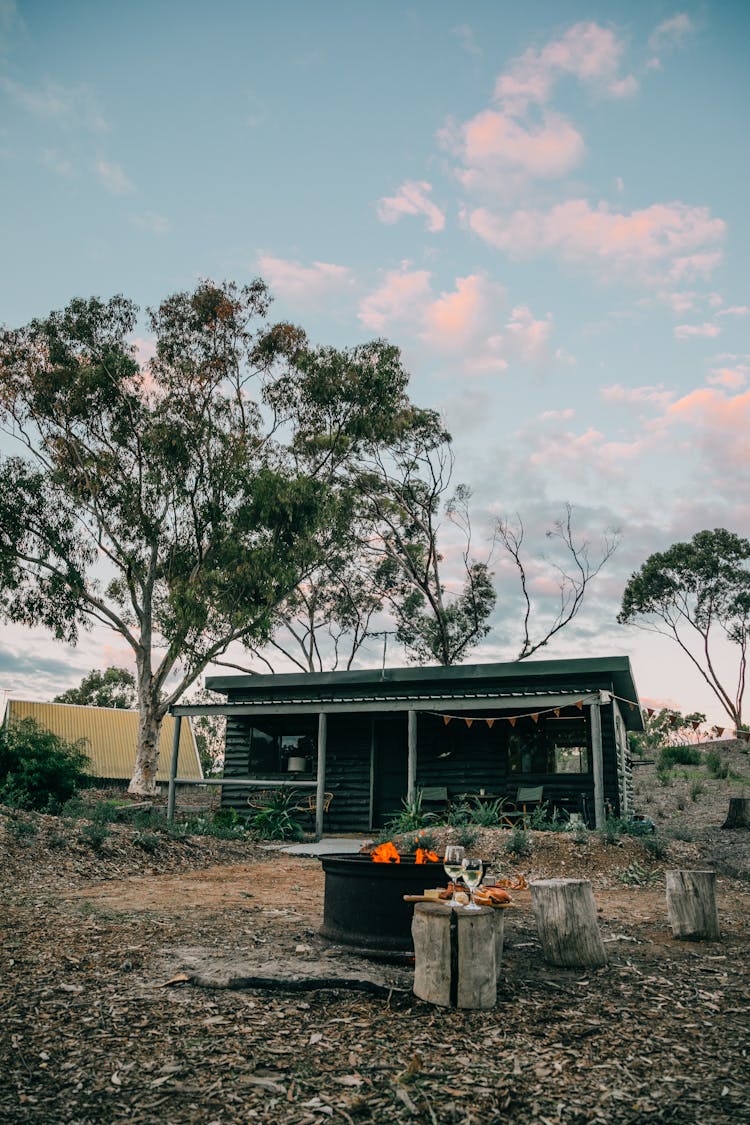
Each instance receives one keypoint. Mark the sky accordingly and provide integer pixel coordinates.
(543, 205)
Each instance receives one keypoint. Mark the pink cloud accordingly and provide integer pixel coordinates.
(454, 318)
(735, 310)
(492, 143)
(730, 377)
(530, 337)
(688, 331)
(647, 242)
(292, 280)
(587, 51)
(671, 32)
(720, 426)
(403, 295)
(638, 396)
(412, 199)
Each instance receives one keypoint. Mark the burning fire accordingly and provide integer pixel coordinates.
(388, 853)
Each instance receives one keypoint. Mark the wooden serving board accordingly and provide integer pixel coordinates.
(446, 901)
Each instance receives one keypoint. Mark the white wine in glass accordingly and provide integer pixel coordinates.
(472, 871)
(453, 866)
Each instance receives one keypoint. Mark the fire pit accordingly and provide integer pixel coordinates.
(364, 901)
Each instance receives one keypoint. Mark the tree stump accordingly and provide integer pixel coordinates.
(691, 905)
(738, 815)
(565, 914)
(456, 955)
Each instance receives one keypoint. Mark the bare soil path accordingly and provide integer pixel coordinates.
(91, 1030)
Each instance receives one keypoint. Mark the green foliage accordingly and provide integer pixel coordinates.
(95, 835)
(486, 814)
(465, 835)
(210, 478)
(716, 768)
(670, 756)
(147, 842)
(518, 843)
(115, 687)
(664, 728)
(459, 814)
(617, 826)
(411, 817)
(655, 847)
(38, 770)
(276, 821)
(21, 828)
(692, 591)
(636, 875)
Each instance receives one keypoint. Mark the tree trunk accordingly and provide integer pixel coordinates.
(456, 955)
(691, 905)
(565, 915)
(143, 781)
(738, 815)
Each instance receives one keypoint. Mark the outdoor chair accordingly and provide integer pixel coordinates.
(527, 797)
(308, 804)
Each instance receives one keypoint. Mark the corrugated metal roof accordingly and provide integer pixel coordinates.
(111, 736)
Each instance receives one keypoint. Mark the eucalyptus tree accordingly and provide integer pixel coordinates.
(181, 501)
(698, 594)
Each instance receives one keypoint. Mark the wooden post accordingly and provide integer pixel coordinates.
(411, 765)
(320, 794)
(371, 815)
(738, 814)
(173, 766)
(565, 914)
(691, 905)
(455, 955)
(600, 815)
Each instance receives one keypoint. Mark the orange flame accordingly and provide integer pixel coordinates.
(424, 855)
(386, 853)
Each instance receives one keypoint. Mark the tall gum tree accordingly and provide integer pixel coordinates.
(182, 501)
(694, 593)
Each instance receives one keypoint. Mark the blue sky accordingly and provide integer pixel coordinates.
(543, 205)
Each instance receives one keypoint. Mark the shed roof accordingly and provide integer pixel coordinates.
(111, 736)
(512, 683)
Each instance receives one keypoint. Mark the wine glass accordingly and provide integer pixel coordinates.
(472, 871)
(452, 865)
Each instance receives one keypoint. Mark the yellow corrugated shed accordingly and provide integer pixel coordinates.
(111, 736)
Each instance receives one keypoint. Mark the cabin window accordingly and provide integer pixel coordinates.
(270, 753)
(549, 750)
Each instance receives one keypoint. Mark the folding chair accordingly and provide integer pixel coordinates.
(526, 797)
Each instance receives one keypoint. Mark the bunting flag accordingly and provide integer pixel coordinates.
(579, 704)
(512, 720)
(695, 724)
(536, 717)
(446, 719)
(468, 722)
(489, 722)
(557, 712)
(650, 712)
(719, 731)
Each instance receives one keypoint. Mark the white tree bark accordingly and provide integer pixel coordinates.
(565, 914)
(691, 905)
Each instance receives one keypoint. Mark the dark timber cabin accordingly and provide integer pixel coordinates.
(376, 738)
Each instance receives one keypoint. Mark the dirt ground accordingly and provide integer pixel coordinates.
(102, 1018)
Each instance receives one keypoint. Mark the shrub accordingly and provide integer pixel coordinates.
(678, 755)
(518, 843)
(459, 814)
(715, 766)
(38, 770)
(95, 835)
(487, 814)
(636, 875)
(276, 821)
(411, 818)
(146, 841)
(466, 835)
(20, 829)
(696, 789)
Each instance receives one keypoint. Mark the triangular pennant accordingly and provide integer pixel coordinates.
(720, 730)
(579, 704)
(650, 712)
(557, 712)
(631, 706)
(489, 722)
(695, 724)
(536, 717)
(512, 720)
(447, 719)
(468, 722)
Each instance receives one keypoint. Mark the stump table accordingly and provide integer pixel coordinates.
(565, 914)
(457, 954)
(691, 905)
